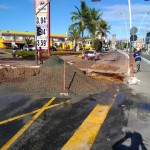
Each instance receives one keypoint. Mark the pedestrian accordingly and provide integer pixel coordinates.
(14, 51)
(137, 59)
(40, 55)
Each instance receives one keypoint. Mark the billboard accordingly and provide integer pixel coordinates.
(42, 23)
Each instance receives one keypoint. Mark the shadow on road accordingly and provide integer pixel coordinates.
(136, 142)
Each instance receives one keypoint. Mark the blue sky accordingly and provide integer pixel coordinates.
(19, 15)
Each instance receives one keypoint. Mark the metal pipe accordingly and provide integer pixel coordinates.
(49, 31)
(35, 38)
(130, 55)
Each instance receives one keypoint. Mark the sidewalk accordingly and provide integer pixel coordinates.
(137, 104)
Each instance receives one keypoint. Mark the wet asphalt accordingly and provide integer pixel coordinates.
(126, 126)
(54, 127)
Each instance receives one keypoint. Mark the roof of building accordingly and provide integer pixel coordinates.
(26, 33)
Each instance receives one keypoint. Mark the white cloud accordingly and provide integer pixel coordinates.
(2, 6)
(140, 16)
(31, 1)
(112, 13)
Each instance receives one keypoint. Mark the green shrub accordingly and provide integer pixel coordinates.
(26, 54)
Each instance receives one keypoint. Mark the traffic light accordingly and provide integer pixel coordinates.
(39, 31)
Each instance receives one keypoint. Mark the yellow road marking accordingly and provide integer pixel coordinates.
(85, 135)
(30, 113)
(25, 127)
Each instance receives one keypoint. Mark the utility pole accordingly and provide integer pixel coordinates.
(126, 28)
(130, 55)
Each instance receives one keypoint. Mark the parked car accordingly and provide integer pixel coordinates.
(28, 48)
(106, 49)
(53, 48)
(90, 55)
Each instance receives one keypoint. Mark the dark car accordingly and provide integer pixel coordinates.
(106, 49)
(53, 48)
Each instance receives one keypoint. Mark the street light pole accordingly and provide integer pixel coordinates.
(130, 54)
(126, 27)
(129, 3)
(146, 13)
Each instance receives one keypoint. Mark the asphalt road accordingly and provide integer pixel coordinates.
(27, 123)
(115, 119)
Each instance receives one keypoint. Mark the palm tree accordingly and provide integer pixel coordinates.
(80, 17)
(92, 21)
(73, 33)
(28, 41)
(102, 29)
(87, 18)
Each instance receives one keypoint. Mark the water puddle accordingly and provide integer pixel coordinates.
(92, 103)
(145, 106)
(119, 99)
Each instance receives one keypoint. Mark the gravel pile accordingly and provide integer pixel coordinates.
(50, 80)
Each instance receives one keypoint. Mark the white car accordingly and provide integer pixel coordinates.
(27, 48)
(90, 54)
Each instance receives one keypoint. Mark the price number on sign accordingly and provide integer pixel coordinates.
(41, 20)
(42, 43)
(41, 31)
(44, 31)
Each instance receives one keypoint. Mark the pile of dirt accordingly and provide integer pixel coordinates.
(50, 80)
(11, 74)
(104, 67)
(53, 61)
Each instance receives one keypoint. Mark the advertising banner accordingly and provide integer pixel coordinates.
(42, 23)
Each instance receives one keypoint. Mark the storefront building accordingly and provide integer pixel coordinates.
(8, 36)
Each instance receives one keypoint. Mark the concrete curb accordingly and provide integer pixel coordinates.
(123, 53)
(128, 72)
(147, 61)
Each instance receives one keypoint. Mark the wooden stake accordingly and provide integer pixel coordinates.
(64, 74)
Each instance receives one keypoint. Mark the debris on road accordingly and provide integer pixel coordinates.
(133, 81)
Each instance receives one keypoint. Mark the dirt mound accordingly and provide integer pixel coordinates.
(104, 67)
(53, 61)
(50, 80)
(11, 73)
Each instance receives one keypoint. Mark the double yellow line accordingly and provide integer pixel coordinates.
(25, 127)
